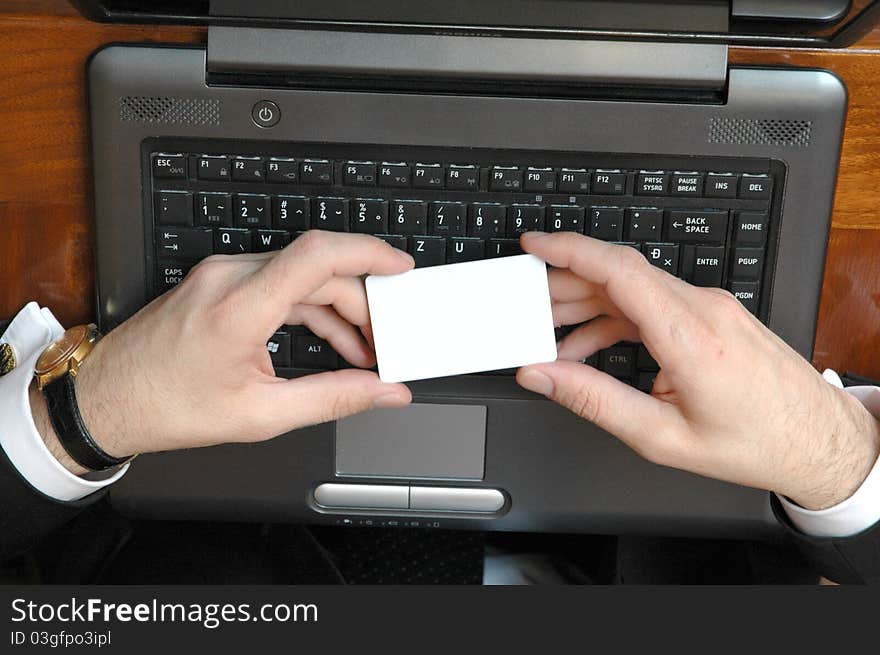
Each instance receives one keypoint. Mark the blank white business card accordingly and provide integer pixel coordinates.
(461, 318)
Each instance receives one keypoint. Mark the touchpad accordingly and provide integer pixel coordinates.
(439, 442)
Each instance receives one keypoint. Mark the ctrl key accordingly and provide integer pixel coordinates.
(748, 294)
(170, 274)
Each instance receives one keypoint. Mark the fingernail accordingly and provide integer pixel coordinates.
(389, 401)
(536, 381)
(405, 256)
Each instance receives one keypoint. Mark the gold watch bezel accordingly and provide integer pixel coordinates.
(65, 355)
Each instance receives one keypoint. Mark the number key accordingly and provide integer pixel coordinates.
(487, 220)
(447, 219)
(251, 210)
(409, 216)
(525, 218)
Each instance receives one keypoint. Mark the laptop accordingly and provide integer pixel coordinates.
(448, 128)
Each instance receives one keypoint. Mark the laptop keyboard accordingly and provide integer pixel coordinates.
(708, 226)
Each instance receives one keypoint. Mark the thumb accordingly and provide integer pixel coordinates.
(328, 396)
(638, 419)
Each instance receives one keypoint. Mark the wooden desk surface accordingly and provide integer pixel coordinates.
(46, 240)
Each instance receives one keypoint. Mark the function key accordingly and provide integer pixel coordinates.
(574, 180)
(291, 213)
(251, 210)
(369, 216)
(612, 183)
(755, 186)
(409, 217)
(750, 228)
(448, 218)
(487, 220)
(464, 249)
(249, 169)
(662, 255)
(214, 209)
(644, 223)
(282, 170)
(525, 218)
(566, 218)
(169, 167)
(359, 173)
(542, 180)
(505, 178)
(330, 214)
(708, 226)
(463, 178)
(316, 171)
(395, 175)
(721, 185)
(606, 223)
(687, 184)
(429, 176)
(174, 207)
(652, 183)
(212, 167)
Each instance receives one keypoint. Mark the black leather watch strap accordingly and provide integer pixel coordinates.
(64, 413)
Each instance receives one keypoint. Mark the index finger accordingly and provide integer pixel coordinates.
(642, 292)
(316, 257)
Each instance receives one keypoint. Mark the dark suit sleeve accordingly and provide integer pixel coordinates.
(26, 515)
(846, 560)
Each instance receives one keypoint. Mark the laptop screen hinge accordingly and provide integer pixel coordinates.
(455, 63)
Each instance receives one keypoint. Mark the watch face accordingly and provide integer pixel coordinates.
(60, 351)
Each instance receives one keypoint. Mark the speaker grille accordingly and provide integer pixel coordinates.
(760, 132)
(182, 111)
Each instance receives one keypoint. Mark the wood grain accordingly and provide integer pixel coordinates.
(46, 247)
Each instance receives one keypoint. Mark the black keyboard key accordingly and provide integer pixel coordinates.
(174, 207)
(214, 209)
(463, 178)
(707, 226)
(721, 185)
(566, 218)
(505, 178)
(252, 210)
(755, 186)
(540, 180)
(644, 223)
(170, 273)
(750, 228)
(395, 240)
(409, 217)
(268, 240)
(282, 171)
(395, 175)
(644, 360)
(525, 218)
(190, 243)
(747, 293)
(330, 214)
(487, 220)
(503, 248)
(429, 176)
(318, 172)
(610, 183)
(574, 180)
(747, 264)
(359, 173)
(703, 265)
(369, 216)
(169, 167)
(232, 241)
(464, 249)
(310, 351)
(428, 251)
(650, 183)
(279, 349)
(212, 167)
(250, 169)
(606, 223)
(645, 380)
(448, 219)
(662, 255)
(687, 184)
(291, 213)
(618, 361)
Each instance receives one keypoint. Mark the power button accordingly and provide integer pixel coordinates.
(265, 113)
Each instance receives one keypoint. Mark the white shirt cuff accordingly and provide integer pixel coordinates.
(29, 333)
(861, 510)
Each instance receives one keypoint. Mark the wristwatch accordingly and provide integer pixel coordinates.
(55, 374)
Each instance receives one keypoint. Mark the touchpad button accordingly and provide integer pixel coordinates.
(436, 442)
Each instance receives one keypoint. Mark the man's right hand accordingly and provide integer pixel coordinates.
(732, 401)
(191, 368)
